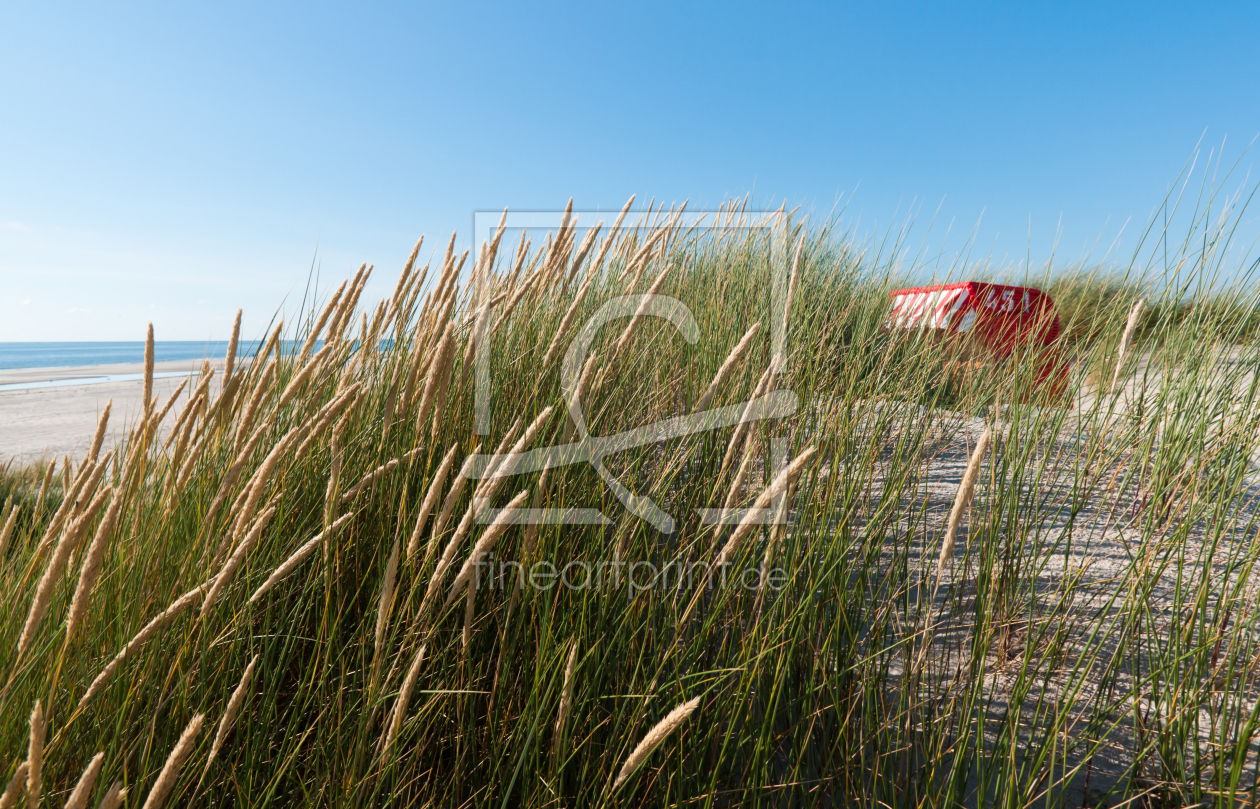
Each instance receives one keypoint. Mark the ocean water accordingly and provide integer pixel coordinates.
(14, 356)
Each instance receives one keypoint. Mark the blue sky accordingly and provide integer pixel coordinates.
(171, 162)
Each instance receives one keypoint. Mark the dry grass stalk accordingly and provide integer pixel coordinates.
(229, 362)
(372, 346)
(430, 499)
(230, 713)
(484, 545)
(1130, 326)
(258, 483)
(452, 498)
(574, 398)
(181, 437)
(338, 305)
(522, 290)
(337, 334)
(497, 457)
(223, 404)
(313, 337)
(417, 363)
(190, 408)
(357, 290)
(470, 611)
(672, 721)
(150, 629)
(566, 693)
(793, 280)
(450, 255)
(378, 473)
(229, 480)
(728, 367)
(269, 348)
(640, 257)
(383, 610)
(439, 369)
(479, 334)
(298, 556)
(567, 320)
(114, 797)
(153, 423)
(56, 567)
(444, 374)
(99, 439)
(43, 488)
(7, 531)
(558, 250)
(506, 464)
(255, 400)
(170, 771)
(427, 338)
(399, 714)
(638, 315)
(391, 400)
(655, 252)
(411, 294)
(778, 527)
(67, 507)
(148, 372)
(396, 298)
(185, 472)
(9, 800)
(962, 499)
(35, 757)
(92, 567)
(299, 379)
(341, 407)
(614, 236)
(237, 558)
(777, 487)
(334, 474)
(763, 385)
(737, 486)
(342, 313)
(83, 789)
(583, 249)
(86, 484)
(529, 543)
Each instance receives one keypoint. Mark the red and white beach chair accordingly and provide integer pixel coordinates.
(998, 319)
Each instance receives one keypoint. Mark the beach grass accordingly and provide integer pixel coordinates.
(285, 606)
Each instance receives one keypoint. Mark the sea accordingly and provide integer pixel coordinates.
(16, 356)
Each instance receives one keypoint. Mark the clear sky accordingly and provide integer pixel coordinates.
(173, 161)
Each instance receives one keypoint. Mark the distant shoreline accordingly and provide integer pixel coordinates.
(18, 356)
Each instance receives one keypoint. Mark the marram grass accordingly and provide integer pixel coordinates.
(306, 558)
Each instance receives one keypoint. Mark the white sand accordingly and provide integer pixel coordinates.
(50, 422)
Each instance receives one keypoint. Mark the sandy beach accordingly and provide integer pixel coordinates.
(48, 422)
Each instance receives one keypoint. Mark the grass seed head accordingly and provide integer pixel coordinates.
(962, 499)
(672, 721)
(231, 711)
(148, 372)
(114, 797)
(17, 784)
(174, 762)
(35, 757)
(83, 789)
